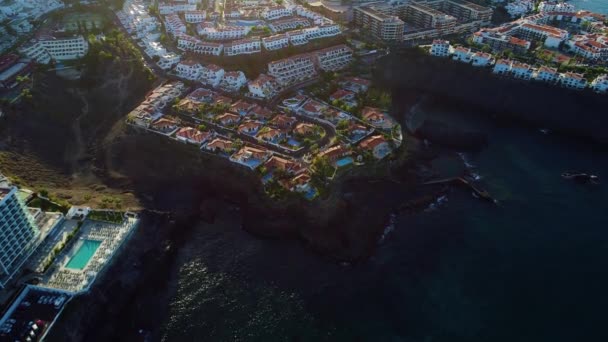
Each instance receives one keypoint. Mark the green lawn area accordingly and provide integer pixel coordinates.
(107, 216)
(46, 205)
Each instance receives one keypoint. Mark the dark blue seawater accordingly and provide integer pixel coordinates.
(599, 6)
(533, 268)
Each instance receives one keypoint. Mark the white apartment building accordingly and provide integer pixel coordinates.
(276, 12)
(234, 80)
(334, 58)
(212, 75)
(297, 37)
(521, 70)
(317, 18)
(572, 80)
(18, 234)
(592, 47)
(154, 48)
(600, 84)
(502, 67)
(243, 47)
(189, 43)
(276, 42)
(317, 32)
(45, 48)
(289, 24)
(481, 59)
(189, 69)
(440, 48)
(518, 8)
(168, 60)
(263, 86)
(175, 7)
(232, 14)
(462, 54)
(174, 25)
(546, 74)
(555, 6)
(223, 33)
(294, 69)
(329, 30)
(195, 17)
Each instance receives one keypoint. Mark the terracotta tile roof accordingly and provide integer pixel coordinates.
(372, 142)
(193, 134)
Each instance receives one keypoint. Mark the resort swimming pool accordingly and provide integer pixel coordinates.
(344, 161)
(83, 254)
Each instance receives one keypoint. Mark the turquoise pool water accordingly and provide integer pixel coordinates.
(83, 254)
(344, 161)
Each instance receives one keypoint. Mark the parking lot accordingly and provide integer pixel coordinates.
(31, 315)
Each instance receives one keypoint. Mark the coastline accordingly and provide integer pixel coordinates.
(477, 90)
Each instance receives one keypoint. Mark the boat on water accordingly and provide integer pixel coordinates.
(544, 131)
(581, 177)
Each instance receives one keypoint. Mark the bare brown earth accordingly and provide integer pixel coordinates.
(52, 142)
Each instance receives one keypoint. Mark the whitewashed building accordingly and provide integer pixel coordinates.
(243, 47)
(334, 58)
(212, 75)
(195, 17)
(174, 25)
(502, 67)
(556, 6)
(293, 69)
(175, 7)
(189, 69)
(276, 42)
(521, 70)
(276, 12)
(46, 48)
(572, 80)
(546, 74)
(234, 80)
(462, 54)
(481, 59)
(440, 48)
(297, 37)
(264, 86)
(224, 32)
(289, 24)
(600, 84)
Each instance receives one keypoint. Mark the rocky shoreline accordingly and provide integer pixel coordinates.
(345, 227)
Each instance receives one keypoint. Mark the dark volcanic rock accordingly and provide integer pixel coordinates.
(576, 113)
(445, 135)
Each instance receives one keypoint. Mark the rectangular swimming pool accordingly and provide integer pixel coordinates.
(344, 161)
(82, 256)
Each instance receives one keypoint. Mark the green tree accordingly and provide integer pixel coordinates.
(322, 167)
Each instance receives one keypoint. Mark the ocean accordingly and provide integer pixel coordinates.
(600, 6)
(532, 268)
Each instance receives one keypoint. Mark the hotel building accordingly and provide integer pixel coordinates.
(380, 25)
(18, 234)
(47, 47)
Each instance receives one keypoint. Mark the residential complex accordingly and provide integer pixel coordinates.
(293, 69)
(380, 25)
(517, 69)
(244, 46)
(408, 20)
